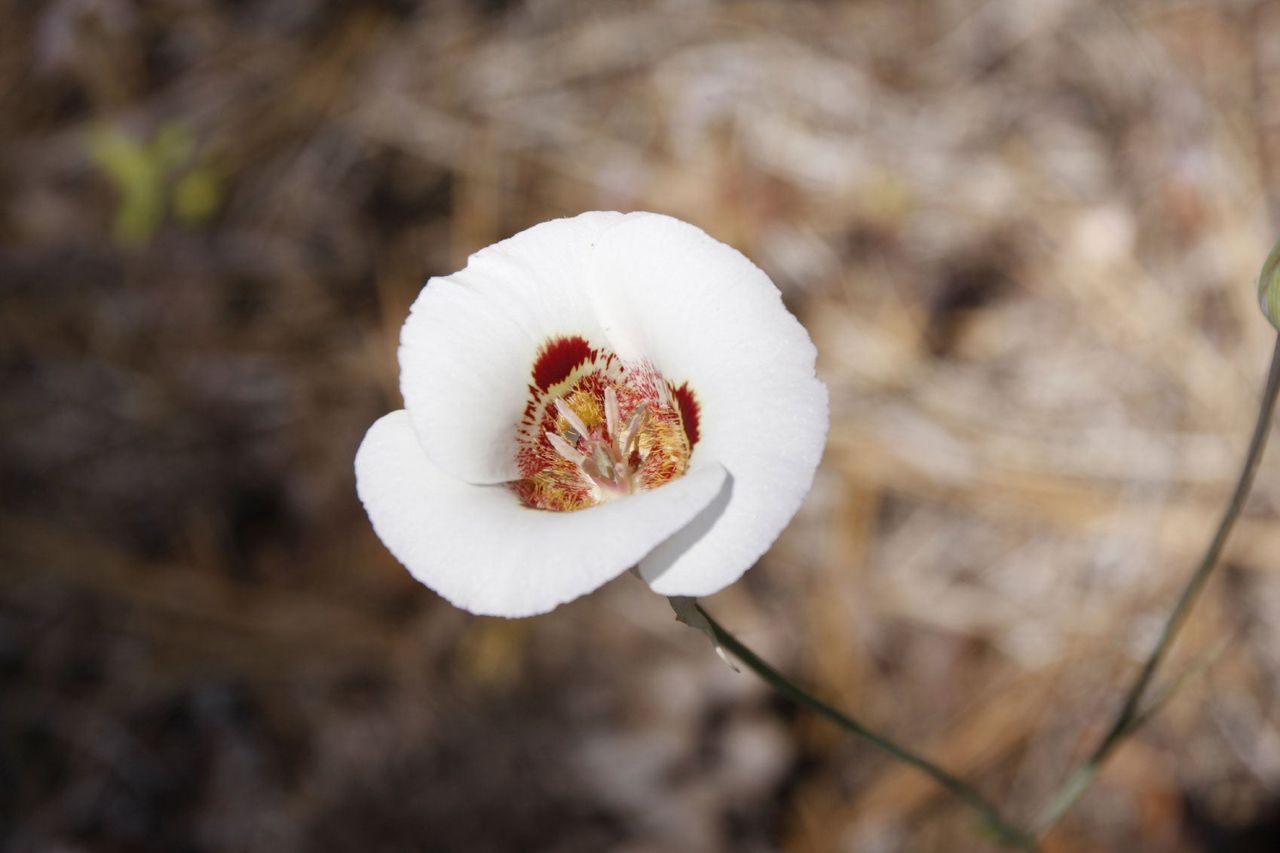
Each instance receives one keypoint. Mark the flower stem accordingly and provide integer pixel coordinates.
(1005, 832)
(1130, 717)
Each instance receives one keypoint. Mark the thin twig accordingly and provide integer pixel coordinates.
(1003, 830)
(1129, 717)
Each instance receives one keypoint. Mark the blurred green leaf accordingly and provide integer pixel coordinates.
(171, 147)
(198, 195)
(144, 171)
(127, 164)
(118, 156)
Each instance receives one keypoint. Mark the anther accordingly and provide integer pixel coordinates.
(566, 450)
(611, 414)
(572, 417)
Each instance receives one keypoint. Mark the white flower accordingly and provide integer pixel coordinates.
(593, 394)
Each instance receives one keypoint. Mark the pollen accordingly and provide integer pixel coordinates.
(596, 428)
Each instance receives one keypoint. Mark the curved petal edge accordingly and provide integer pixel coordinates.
(484, 552)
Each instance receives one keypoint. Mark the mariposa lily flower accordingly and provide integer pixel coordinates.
(594, 394)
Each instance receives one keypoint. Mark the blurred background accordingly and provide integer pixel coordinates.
(1023, 234)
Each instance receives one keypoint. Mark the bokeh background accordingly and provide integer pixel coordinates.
(1023, 234)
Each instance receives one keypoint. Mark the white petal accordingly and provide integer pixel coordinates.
(703, 313)
(484, 552)
(468, 347)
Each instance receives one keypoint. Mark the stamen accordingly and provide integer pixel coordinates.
(634, 426)
(572, 417)
(611, 414)
(636, 439)
(603, 463)
(566, 450)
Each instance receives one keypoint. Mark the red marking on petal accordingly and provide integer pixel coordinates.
(558, 358)
(687, 401)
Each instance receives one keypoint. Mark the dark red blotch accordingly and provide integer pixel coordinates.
(558, 358)
(688, 403)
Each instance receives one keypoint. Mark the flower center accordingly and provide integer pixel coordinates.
(596, 429)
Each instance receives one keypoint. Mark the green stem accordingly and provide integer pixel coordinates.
(1006, 832)
(1129, 717)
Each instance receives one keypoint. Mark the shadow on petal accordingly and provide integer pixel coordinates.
(662, 557)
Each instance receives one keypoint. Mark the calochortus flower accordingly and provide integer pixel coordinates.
(593, 394)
